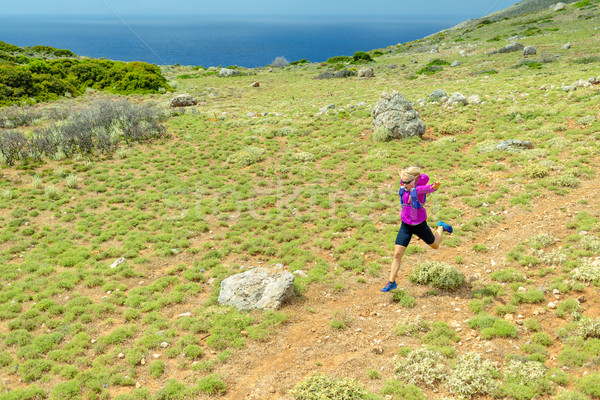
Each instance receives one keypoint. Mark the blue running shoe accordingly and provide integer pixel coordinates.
(447, 228)
(389, 286)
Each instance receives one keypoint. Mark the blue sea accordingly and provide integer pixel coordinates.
(217, 40)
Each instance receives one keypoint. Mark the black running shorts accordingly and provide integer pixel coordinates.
(422, 230)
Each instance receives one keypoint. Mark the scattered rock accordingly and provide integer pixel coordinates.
(509, 48)
(226, 72)
(183, 100)
(529, 51)
(366, 72)
(559, 6)
(551, 305)
(260, 288)
(456, 100)
(567, 46)
(455, 64)
(509, 317)
(185, 314)
(395, 112)
(438, 94)
(164, 345)
(118, 262)
(255, 84)
(514, 145)
(138, 385)
(121, 355)
(327, 107)
(377, 350)
(474, 99)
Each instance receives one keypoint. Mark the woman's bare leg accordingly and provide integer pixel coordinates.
(398, 253)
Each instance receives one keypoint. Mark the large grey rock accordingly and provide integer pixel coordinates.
(183, 100)
(514, 145)
(366, 72)
(262, 288)
(509, 48)
(395, 112)
(456, 100)
(437, 94)
(559, 6)
(225, 72)
(529, 51)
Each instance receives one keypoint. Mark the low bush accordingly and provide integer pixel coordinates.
(321, 386)
(99, 128)
(525, 379)
(381, 134)
(422, 366)
(473, 376)
(438, 275)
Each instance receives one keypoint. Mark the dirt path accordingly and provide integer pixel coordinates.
(308, 344)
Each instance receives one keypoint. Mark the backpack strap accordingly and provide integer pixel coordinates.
(414, 200)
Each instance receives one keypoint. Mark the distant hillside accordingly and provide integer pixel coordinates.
(521, 8)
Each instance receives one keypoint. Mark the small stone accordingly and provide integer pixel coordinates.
(552, 305)
(164, 345)
(156, 355)
(244, 333)
(509, 317)
(377, 350)
(556, 291)
(121, 355)
(138, 385)
(143, 361)
(185, 314)
(522, 289)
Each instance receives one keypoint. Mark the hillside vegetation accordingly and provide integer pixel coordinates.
(290, 172)
(44, 73)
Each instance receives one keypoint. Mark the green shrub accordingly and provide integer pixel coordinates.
(586, 272)
(402, 297)
(590, 385)
(400, 390)
(361, 56)
(440, 335)
(525, 379)
(381, 134)
(541, 338)
(211, 384)
(472, 376)
(32, 370)
(321, 386)
(193, 351)
(28, 393)
(338, 59)
(66, 390)
(570, 395)
(248, 156)
(531, 296)
(492, 327)
(172, 390)
(508, 275)
(454, 127)
(569, 307)
(422, 366)
(438, 275)
(156, 368)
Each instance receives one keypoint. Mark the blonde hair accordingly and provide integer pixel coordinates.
(413, 172)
